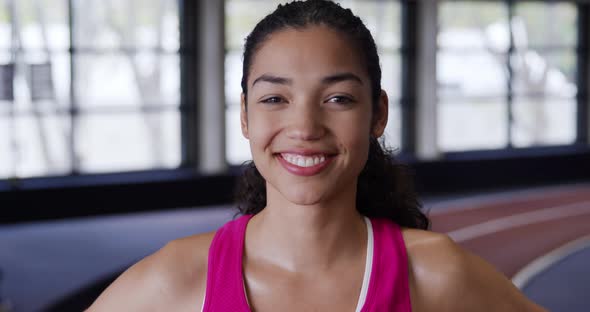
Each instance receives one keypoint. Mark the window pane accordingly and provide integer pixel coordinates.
(471, 74)
(545, 74)
(237, 147)
(472, 124)
(5, 28)
(112, 24)
(125, 142)
(61, 78)
(5, 107)
(34, 145)
(5, 54)
(42, 83)
(391, 75)
(127, 80)
(531, 24)
(390, 82)
(43, 24)
(473, 25)
(381, 17)
(241, 16)
(34, 79)
(233, 77)
(392, 135)
(543, 121)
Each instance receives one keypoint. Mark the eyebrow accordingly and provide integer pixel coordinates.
(326, 80)
(273, 79)
(342, 77)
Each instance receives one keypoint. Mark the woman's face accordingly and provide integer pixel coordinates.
(308, 116)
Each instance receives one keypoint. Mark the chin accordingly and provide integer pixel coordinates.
(304, 197)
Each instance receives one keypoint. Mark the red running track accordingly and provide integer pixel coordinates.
(512, 230)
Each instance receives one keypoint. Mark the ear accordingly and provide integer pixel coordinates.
(380, 118)
(244, 116)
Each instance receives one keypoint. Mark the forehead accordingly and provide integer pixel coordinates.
(311, 51)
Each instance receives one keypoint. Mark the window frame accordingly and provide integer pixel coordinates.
(188, 56)
(582, 140)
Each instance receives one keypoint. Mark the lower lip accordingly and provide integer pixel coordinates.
(304, 171)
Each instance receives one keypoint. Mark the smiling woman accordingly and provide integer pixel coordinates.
(330, 221)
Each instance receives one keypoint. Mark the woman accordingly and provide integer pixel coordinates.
(330, 221)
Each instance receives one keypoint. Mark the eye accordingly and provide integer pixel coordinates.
(340, 99)
(272, 100)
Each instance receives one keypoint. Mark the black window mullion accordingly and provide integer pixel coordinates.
(73, 100)
(189, 17)
(509, 82)
(409, 79)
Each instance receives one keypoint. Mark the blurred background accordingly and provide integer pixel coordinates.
(119, 131)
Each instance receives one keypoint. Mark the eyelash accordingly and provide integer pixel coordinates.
(272, 100)
(341, 100)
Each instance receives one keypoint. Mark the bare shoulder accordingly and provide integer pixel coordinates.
(446, 277)
(171, 279)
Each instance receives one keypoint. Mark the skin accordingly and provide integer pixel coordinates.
(304, 246)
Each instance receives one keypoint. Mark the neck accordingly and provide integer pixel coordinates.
(307, 238)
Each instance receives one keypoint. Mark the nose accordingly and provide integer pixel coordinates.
(305, 123)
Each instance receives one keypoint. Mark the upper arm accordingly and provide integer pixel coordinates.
(449, 278)
(139, 288)
(485, 288)
(171, 279)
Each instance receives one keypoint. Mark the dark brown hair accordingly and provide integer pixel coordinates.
(385, 187)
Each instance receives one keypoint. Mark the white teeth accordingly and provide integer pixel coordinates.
(300, 162)
(303, 161)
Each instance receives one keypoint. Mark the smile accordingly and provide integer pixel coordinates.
(304, 161)
(304, 165)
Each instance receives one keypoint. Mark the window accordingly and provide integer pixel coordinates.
(544, 74)
(506, 77)
(88, 87)
(382, 18)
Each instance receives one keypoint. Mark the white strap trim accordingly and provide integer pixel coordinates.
(368, 266)
(204, 296)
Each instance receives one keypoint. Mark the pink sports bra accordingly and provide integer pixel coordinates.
(385, 287)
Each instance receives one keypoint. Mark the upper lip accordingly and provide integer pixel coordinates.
(306, 152)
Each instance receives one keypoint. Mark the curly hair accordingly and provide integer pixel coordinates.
(385, 187)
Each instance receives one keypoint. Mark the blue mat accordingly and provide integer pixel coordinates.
(563, 287)
(43, 262)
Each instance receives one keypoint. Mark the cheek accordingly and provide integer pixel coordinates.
(355, 139)
(356, 128)
(359, 149)
(261, 130)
